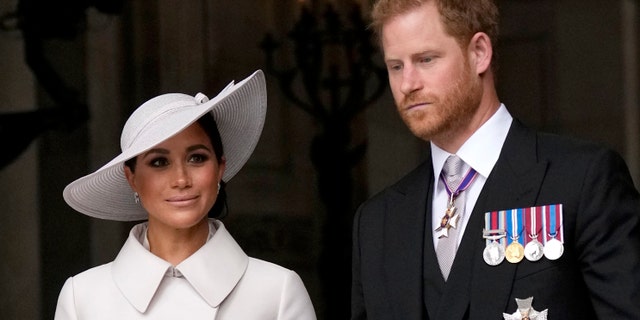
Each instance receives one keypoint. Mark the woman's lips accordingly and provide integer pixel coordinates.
(182, 200)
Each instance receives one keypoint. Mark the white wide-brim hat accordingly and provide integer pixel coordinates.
(239, 111)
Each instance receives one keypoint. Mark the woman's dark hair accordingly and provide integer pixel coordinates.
(208, 124)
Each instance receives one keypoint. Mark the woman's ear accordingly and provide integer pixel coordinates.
(221, 166)
(480, 52)
(129, 175)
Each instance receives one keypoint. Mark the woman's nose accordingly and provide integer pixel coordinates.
(182, 178)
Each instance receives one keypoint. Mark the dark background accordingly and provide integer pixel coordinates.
(71, 72)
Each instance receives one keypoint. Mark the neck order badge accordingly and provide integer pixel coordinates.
(451, 216)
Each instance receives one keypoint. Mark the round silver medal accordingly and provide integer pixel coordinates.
(553, 249)
(534, 250)
(493, 253)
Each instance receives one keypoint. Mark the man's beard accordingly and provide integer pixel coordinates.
(448, 112)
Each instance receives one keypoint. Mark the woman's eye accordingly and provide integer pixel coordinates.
(159, 162)
(198, 158)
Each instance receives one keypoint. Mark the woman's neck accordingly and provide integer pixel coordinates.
(175, 245)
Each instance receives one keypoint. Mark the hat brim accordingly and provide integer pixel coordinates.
(239, 111)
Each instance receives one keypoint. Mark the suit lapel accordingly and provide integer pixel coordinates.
(514, 182)
(404, 238)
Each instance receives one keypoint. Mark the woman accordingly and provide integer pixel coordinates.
(177, 153)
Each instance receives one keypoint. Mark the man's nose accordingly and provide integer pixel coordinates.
(411, 80)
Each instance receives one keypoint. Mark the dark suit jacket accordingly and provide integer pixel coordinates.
(395, 269)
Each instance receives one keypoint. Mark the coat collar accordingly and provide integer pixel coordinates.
(213, 270)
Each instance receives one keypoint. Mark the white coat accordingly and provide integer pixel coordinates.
(219, 281)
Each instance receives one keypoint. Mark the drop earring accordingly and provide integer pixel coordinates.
(136, 197)
(218, 188)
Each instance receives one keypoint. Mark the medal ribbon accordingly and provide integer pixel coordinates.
(502, 224)
(532, 223)
(554, 222)
(495, 221)
(514, 225)
(522, 237)
(490, 223)
(466, 182)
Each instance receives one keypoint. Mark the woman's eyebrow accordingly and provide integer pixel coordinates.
(155, 150)
(197, 147)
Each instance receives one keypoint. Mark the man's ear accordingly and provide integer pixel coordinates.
(480, 52)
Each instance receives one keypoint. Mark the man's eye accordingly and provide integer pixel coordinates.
(426, 59)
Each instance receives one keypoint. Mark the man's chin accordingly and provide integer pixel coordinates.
(426, 133)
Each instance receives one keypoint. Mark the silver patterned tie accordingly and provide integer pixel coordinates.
(447, 246)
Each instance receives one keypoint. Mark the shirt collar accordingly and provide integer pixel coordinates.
(213, 270)
(482, 149)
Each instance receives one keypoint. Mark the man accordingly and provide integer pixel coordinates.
(448, 240)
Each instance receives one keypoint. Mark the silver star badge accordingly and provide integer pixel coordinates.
(442, 231)
(525, 311)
